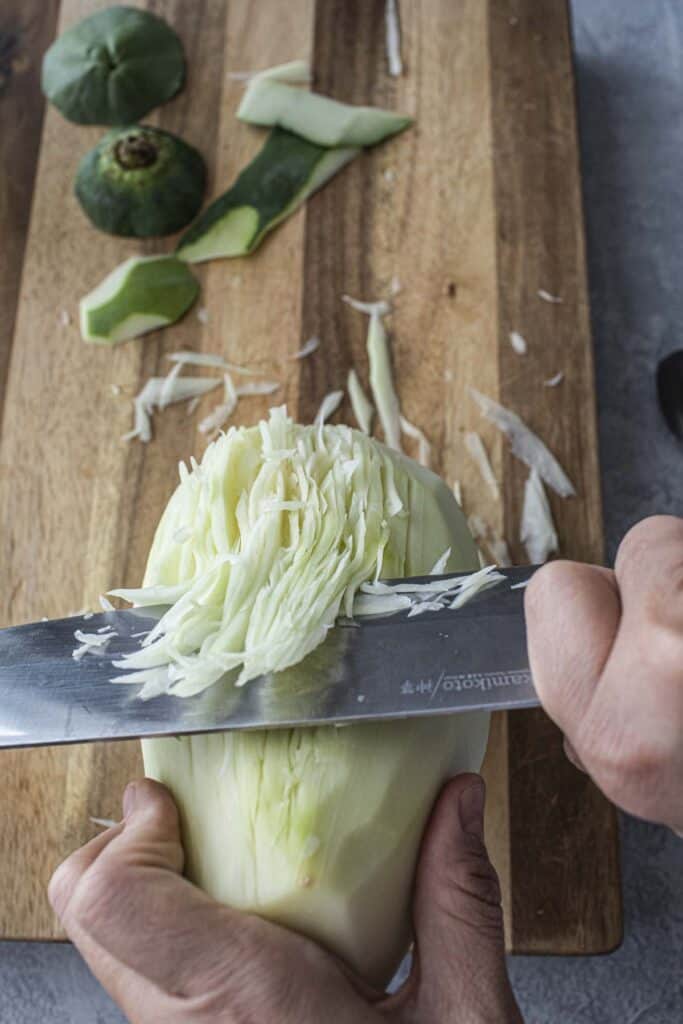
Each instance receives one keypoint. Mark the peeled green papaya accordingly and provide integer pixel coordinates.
(140, 181)
(141, 295)
(317, 829)
(113, 67)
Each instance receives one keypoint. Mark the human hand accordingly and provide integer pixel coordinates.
(606, 653)
(168, 953)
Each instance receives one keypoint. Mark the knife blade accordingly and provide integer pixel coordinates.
(368, 669)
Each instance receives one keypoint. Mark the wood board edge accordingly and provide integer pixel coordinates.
(555, 813)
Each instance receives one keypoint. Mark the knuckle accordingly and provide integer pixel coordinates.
(547, 581)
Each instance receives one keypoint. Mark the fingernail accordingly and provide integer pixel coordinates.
(129, 798)
(572, 756)
(471, 809)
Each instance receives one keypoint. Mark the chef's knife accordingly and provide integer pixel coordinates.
(395, 666)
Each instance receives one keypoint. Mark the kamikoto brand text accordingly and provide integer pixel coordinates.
(448, 682)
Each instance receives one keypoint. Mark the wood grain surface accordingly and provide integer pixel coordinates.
(562, 896)
(26, 29)
(471, 211)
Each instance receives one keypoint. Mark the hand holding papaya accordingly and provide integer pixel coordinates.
(168, 953)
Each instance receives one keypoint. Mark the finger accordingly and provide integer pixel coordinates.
(632, 739)
(572, 615)
(649, 571)
(151, 828)
(460, 971)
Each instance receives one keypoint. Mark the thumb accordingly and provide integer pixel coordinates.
(460, 948)
(148, 834)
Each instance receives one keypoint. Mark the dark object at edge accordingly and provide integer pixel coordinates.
(670, 391)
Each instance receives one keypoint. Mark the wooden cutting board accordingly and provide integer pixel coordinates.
(473, 211)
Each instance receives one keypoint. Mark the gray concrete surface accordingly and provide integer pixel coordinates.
(630, 69)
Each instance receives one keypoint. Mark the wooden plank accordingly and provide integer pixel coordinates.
(419, 210)
(77, 507)
(26, 29)
(432, 209)
(564, 898)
